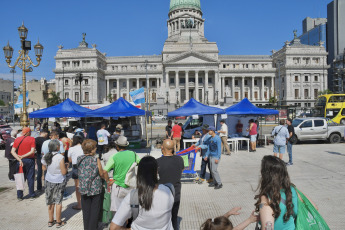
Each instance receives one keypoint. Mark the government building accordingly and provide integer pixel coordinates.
(190, 66)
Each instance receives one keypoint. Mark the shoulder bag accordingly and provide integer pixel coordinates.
(131, 175)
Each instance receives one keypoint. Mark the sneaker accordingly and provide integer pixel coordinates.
(66, 197)
(289, 164)
(12, 180)
(212, 185)
(218, 186)
(209, 180)
(19, 199)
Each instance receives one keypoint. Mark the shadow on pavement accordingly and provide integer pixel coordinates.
(68, 213)
(335, 153)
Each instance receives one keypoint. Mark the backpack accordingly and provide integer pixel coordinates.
(134, 200)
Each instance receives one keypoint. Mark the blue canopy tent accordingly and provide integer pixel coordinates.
(193, 107)
(68, 108)
(245, 107)
(119, 108)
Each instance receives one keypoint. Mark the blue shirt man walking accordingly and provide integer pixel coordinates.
(213, 154)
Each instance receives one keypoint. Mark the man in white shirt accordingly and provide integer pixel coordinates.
(102, 136)
(223, 134)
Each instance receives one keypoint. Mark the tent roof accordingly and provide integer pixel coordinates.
(68, 108)
(119, 108)
(193, 107)
(245, 107)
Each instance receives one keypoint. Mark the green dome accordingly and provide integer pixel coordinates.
(175, 4)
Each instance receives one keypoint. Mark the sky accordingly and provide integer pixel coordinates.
(139, 27)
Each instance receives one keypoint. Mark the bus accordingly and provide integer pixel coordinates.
(331, 106)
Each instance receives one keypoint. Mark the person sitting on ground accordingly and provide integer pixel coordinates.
(170, 168)
(74, 152)
(55, 182)
(196, 135)
(90, 172)
(120, 163)
(277, 198)
(223, 222)
(155, 201)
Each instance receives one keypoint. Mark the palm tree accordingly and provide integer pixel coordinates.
(53, 99)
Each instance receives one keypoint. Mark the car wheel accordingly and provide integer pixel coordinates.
(334, 138)
(342, 121)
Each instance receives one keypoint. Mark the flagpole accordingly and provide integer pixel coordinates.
(146, 101)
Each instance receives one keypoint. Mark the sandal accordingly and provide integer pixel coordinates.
(60, 224)
(76, 208)
(51, 223)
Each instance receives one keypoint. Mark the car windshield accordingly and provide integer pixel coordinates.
(296, 122)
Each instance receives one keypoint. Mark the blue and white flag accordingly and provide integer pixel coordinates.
(138, 96)
(19, 103)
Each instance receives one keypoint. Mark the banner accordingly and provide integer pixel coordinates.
(19, 103)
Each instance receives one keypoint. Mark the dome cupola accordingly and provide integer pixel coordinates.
(178, 4)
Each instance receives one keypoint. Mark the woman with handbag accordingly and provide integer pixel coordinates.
(55, 180)
(277, 201)
(90, 172)
(74, 152)
(155, 202)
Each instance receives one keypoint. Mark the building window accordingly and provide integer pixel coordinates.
(236, 96)
(124, 96)
(306, 93)
(86, 97)
(66, 95)
(172, 81)
(134, 84)
(246, 94)
(154, 97)
(306, 78)
(66, 64)
(114, 84)
(296, 93)
(76, 64)
(76, 82)
(316, 78)
(153, 83)
(86, 81)
(76, 96)
(224, 66)
(86, 63)
(144, 83)
(236, 82)
(124, 84)
(245, 82)
(265, 95)
(201, 80)
(182, 80)
(265, 82)
(255, 82)
(234, 66)
(66, 82)
(226, 82)
(210, 81)
(296, 78)
(256, 95)
(316, 93)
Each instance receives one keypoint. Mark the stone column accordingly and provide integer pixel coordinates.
(187, 85)
(263, 88)
(127, 84)
(167, 80)
(138, 83)
(197, 85)
(206, 87)
(321, 82)
(177, 84)
(233, 88)
(252, 91)
(272, 85)
(242, 87)
(108, 89)
(118, 88)
(223, 87)
(311, 86)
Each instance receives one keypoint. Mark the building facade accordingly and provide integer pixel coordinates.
(314, 31)
(189, 66)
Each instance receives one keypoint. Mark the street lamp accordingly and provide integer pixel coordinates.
(13, 71)
(80, 79)
(24, 62)
(279, 64)
(167, 100)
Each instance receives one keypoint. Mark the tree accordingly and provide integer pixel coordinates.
(272, 100)
(54, 99)
(326, 91)
(2, 103)
(110, 98)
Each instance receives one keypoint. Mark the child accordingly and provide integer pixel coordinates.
(223, 222)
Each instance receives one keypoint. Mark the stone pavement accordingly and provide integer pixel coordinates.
(318, 171)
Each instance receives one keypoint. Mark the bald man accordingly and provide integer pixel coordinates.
(170, 168)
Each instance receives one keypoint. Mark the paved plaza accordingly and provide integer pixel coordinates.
(318, 171)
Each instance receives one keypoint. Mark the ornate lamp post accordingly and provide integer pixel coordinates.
(13, 71)
(167, 101)
(80, 79)
(24, 62)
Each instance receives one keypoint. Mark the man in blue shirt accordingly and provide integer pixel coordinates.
(203, 145)
(281, 135)
(213, 154)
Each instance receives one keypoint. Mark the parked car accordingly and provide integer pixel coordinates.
(315, 128)
(5, 131)
(159, 117)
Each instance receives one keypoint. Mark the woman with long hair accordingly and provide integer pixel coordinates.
(277, 198)
(155, 201)
(74, 152)
(90, 172)
(55, 180)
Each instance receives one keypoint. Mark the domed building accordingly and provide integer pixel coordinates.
(190, 66)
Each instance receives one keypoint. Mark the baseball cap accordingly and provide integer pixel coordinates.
(212, 128)
(205, 126)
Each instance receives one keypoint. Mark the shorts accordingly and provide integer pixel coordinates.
(117, 195)
(75, 172)
(54, 192)
(279, 149)
(253, 138)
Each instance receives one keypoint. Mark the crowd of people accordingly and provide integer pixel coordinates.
(154, 201)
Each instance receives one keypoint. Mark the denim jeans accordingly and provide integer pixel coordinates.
(39, 172)
(289, 149)
(203, 168)
(29, 175)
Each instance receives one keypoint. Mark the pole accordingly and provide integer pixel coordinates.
(280, 83)
(146, 101)
(63, 82)
(25, 122)
(13, 71)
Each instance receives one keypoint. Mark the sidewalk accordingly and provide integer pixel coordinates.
(318, 171)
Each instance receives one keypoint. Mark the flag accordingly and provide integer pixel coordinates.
(19, 103)
(138, 96)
